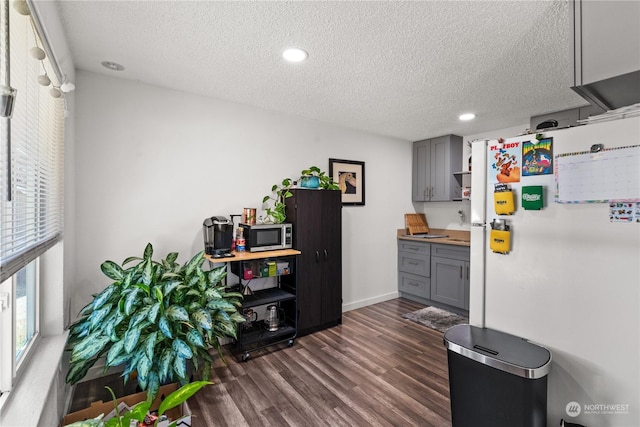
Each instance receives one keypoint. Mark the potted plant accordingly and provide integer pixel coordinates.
(280, 193)
(139, 411)
(153, 319)
(314, 177)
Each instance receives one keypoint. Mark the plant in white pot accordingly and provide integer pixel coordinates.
(153, 319)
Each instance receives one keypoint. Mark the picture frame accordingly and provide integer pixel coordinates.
(349, 175)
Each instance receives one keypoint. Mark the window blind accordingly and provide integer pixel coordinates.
(31, 163)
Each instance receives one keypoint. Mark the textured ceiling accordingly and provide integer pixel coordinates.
(402, 69)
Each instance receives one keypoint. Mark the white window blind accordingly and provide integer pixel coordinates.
(31, 162)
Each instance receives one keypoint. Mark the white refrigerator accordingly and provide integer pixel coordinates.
(570, 279)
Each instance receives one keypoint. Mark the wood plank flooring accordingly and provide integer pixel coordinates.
(376, 369)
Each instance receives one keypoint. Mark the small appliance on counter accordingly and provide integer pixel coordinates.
(218, 236)
(267, 237)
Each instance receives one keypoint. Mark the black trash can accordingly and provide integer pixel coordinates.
(496, 379)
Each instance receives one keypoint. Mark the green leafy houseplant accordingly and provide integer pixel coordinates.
(325, 181)
(276, 213)
(140, 410)
(280, 193)
(152, 319)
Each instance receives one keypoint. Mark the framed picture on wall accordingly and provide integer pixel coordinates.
(349, 175)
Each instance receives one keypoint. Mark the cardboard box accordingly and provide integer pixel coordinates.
(181, 412)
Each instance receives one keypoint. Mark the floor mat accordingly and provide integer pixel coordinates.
(436, 318)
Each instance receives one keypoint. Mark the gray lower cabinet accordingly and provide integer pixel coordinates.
(448, 284)
(450, 275)
(414, 268)
(434, 274)
(413, 284)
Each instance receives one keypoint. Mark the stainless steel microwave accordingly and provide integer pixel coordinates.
(267, 237)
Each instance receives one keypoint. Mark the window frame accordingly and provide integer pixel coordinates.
(11, 367)
(25, 355)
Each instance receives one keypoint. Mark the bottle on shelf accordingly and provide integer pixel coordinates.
(240, 242)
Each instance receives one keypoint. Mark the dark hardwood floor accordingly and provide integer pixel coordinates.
(376, 369)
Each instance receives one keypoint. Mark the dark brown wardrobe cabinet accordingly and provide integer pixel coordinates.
(316, 216)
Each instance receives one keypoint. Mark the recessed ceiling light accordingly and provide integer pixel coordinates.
(467, 116)
(112, 65)
(295, 54)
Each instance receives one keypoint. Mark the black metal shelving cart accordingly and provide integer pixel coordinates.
(283, 296)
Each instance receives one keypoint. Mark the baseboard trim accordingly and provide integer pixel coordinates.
(369, 301)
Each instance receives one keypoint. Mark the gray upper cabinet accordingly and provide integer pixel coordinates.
(607, 52)
(434, 162)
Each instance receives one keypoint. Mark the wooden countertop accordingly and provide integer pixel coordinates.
(247, 256)
(455, 237)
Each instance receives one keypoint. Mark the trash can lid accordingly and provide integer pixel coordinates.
(499, 350)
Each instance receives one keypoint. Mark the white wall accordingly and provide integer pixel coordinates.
(152, 163)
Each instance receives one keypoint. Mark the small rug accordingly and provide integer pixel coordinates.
(436, 318)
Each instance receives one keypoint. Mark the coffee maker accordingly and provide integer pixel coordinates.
(218, 236)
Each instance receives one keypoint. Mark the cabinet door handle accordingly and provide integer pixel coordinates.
(326, 254)
(424, 193)
(461, 272)
(468, 272)
(414, 283)
(317, 256)
(413, 262)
